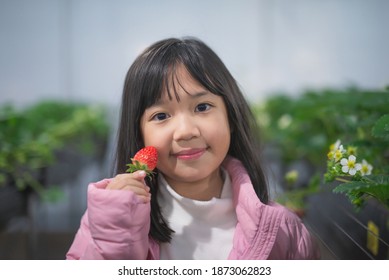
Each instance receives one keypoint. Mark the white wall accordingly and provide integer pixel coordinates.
(318, 43)
(81, 49)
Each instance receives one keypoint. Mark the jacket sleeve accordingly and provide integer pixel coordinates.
(306, 245)
(294, 241)
(115, 226)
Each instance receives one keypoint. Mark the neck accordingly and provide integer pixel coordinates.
(203, 190)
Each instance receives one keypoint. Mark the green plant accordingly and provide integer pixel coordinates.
(294, 198)
(360, 181)
(304, 126)
(30, 137)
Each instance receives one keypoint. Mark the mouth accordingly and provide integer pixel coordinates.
(190, 154)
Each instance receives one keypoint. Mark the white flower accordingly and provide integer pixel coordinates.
(349, 165)
(339, 153)
(284, 121)
(366, 168)
(335, 146)
(336, 151)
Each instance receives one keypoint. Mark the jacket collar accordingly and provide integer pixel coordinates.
(258, 223)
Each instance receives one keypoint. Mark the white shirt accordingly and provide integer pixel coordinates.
(203, 229)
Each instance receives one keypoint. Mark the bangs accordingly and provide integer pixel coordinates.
(172, 82)
(161, 76)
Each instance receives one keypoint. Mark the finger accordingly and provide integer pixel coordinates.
(141, 193)
(130, 179)
(128, 184)
(136, 190)
(140, 177)
(136, 187)
(140, 174)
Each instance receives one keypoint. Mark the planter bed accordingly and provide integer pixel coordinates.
(347, 233)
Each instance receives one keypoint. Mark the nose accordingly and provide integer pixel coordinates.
(186, 128)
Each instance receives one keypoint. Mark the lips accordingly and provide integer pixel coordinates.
(190, 154)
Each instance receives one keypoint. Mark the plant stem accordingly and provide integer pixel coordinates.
(342, 180)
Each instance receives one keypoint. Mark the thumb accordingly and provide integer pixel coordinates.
(140, 175)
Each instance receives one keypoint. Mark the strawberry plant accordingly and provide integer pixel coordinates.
(359, 179)
(30, 137)
(301, 128)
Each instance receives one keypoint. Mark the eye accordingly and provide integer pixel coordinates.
(203, 107)
(159, 117)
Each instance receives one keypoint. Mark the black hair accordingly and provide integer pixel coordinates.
(145, 82)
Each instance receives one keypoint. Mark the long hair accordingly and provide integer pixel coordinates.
(145, 82)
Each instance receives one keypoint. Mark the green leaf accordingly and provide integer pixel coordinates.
(381, 128)
(374, 185)
(31, 137)
(351, 186)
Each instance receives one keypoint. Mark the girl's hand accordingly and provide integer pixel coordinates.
(133, 182)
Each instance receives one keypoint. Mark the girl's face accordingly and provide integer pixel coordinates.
(192, 135)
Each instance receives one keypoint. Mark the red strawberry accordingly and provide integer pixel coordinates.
(145, 159)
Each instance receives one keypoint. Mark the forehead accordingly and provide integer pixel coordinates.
(179, 81)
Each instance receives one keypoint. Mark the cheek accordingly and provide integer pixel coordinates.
(148, 133)
(219, 133)
(152, 137)
(223, 125)
(157, 137)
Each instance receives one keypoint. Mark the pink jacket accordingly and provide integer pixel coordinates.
(116, 226)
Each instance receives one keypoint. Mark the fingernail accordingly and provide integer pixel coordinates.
(142, 173)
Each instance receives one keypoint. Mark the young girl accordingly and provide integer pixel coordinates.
(208, 198)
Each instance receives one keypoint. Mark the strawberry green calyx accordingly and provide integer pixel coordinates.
(137, 165)
(145, 159)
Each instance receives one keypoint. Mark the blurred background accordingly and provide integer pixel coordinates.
(314, 71)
